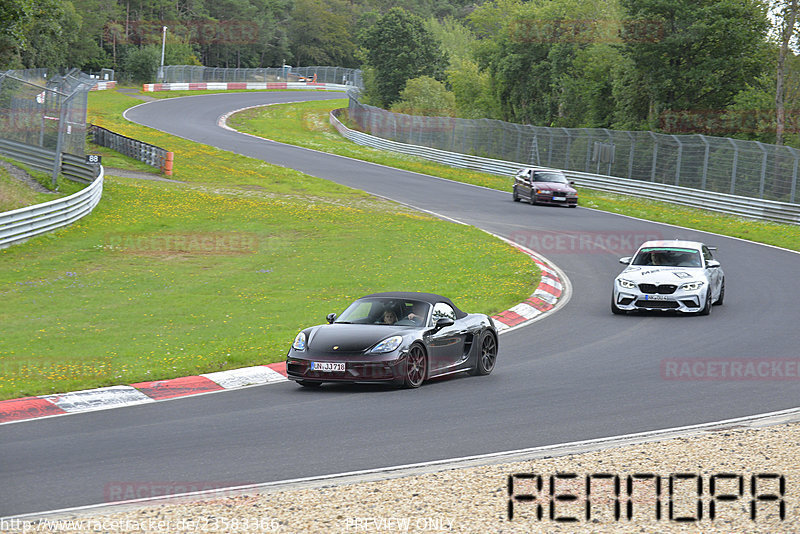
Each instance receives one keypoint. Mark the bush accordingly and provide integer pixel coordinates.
(426, 96)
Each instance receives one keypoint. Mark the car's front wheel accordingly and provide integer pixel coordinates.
(416, 367)
(721, 297)
(709, 302)
(614, 308)
(514, 195)
(487, 355)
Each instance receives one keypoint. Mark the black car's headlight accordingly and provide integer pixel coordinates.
(627, 284)
(692, 286)
(387, 345)
(543, 192)
(299, 341)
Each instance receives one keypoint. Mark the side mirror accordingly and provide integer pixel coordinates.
(626, 260)
(572, 182)
(443, 322)
(331, 317)
(712, 264)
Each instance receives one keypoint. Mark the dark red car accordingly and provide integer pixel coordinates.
(544, 186)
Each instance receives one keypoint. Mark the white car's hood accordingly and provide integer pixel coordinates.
(662, 275)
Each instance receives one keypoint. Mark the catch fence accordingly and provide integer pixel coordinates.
(46, 112)
(718, 164)
(198, 74)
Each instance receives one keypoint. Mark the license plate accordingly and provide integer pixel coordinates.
(327, 366)
(656, 297)
(560, 198)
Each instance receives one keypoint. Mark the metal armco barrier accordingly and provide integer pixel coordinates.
(146, 153)
(22, 224)
(71, 166)
(724, 203)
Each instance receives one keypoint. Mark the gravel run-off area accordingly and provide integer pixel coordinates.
(476, 499)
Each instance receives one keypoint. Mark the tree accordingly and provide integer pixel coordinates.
(788, 14)
(320, 33)
(399, 48)
(694, 54)
(536, 52)
(425, 96)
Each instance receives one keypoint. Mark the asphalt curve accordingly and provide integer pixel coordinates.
(580, 373)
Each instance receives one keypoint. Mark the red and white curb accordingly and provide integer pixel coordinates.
(543, 300)
(238, 86)
(15, 410)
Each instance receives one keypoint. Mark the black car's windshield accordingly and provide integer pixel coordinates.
(386, 311)
(668, 257)
(550, 177)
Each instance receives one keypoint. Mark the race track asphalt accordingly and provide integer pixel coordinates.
(578, 374)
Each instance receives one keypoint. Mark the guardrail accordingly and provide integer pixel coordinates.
(22, 224)
(769, 210)
(152, 155)
(71, 166)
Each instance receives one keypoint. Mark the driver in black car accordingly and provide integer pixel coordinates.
(417, 313)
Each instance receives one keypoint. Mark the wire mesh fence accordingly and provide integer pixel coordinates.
(45, 110)
(719, 164)
(198, 74)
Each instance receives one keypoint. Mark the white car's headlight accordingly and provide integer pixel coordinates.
(388, 344)
(627, 284)
(299, 342)
(692, 286)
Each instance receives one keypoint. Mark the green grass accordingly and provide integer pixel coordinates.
(166, 280)
(15, 194)
(306, 124)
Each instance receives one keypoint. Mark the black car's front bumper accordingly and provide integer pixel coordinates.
(376, 370)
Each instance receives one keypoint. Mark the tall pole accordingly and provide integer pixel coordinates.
(163, 47)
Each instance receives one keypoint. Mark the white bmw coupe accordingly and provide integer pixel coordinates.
(680, 276)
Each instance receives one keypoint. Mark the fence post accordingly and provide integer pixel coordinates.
(613, 150)
(588, 150)
(705, 162)
(763, 170)
(678, 163)
(62, 119)
(655, 157)
(569, 145)
(735, 163)
(630, 156)
(794, 175)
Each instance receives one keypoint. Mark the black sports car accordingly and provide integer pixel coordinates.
(396, 338)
